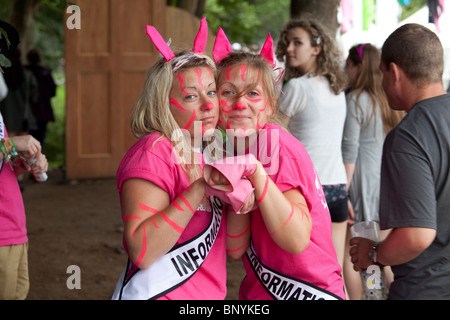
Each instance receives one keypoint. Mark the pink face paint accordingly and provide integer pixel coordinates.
(176, 227)
(238, 248)
(228, 124)
(181, 78)
(176, 205)
(186, 202)
(228, 73)
(190, 121)
(263, 194)
(176, 104)
(199, 76)
(243, 70)
(147, 208)
(208, 106)
(286, 222)
(267, 102)
(253, 100)
(144, 246)
(258, 126)
(304, 213)
(240, 106)
(152, 219)
(226, 108)
(239, 235)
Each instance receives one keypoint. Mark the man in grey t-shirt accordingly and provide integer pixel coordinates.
(415, 182)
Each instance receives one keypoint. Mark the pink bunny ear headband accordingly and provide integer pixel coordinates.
(222, 48)
(167, 53)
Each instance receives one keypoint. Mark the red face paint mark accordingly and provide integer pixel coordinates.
(176, 205)
(258, 126)
(243, 70)
(186, 202)
(144, 246)
(240, 106)
(228, 73)
(228, 124)
(286, 222)
(176, 227)
(208, 106)
(190, 121)
(253, 100)
(226, 108)
(181, 78)
(177, 104)
(199, 76)
(267, 102)
(238, 248)
(263, 194)
(239, 235)
(304, 213)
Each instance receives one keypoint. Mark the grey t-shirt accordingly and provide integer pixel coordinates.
(415, 192)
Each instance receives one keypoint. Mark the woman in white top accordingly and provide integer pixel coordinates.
(313, 108)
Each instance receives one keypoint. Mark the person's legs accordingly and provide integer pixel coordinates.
(14, 281)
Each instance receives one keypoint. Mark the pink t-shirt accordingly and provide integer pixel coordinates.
(152, 162)
(12, 212)
(317, 264)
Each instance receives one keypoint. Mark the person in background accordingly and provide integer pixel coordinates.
(415, 180)
(42, 108)
(313, 108)
(369, 118)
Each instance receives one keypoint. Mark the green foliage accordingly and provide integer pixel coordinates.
(54, 147)
(412, 8)
(247, 21)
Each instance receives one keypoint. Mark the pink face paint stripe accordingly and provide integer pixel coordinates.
(263, 194)
(190, 121)
(154, 223)
(243, 70)
(180, 77)
(199, 76)
(176, 104)
(238, 248)
(286, 222)
(228, 73)
(144, 246)
(147, 208)
(186, 202)
(239, 235)
(176, 227)
(225, 105)
(267, 102)
(253, 100)
(176, 205)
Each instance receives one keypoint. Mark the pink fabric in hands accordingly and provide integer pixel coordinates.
(235, 170)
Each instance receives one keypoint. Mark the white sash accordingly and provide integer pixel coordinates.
(283, 287)
(175, 267)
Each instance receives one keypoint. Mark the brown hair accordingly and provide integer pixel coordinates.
(328, 60)
(417, 51)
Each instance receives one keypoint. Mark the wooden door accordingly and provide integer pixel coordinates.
(106, 62)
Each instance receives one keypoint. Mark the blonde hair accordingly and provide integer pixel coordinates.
(328, 60)
(151, 113)
(369, 80)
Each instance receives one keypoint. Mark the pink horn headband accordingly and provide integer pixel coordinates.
(163, 47)
(222, 48)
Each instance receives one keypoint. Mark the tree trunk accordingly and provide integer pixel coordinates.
(21, 14)
(323, 10)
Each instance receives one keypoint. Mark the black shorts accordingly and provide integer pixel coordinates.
(336, 197)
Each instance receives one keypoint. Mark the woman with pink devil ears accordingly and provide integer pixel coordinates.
(285, 241)
(173, 234)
